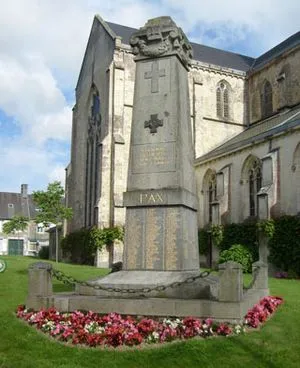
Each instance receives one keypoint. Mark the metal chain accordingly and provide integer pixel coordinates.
(69, 280)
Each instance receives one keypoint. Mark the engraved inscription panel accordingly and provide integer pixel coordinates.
(133, 240)
(152, 251)
(153, 158)
(171, 229)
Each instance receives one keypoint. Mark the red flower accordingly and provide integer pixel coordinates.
(224, 330)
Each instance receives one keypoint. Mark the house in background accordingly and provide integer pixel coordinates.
(35, 235)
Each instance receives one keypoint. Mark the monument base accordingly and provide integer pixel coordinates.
(142, 281)
(197, 298)
(232, 312)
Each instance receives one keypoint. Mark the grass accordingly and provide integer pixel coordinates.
(276, 344)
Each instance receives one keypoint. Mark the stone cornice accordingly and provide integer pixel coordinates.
(197, 65)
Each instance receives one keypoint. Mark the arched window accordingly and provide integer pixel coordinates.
(283, 79)
(252, 179)
(95, 109)
(267, 100)
(210, 194)
(296, 177)
(255, 180)
(223, 100)
(93, 157)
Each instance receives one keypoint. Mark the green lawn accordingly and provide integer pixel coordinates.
(277, 344)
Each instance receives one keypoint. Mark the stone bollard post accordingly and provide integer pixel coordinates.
(230, 282)
(39, 285)
(260, 276)
(263, 241)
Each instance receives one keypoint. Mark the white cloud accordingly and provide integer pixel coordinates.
(22, 162)
(29, 92)
(57, 174)
(270, 20)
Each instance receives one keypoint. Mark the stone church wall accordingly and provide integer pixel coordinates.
(97, 60)
(284, 196)
(209, 129)
(124, 73)
(284, 75)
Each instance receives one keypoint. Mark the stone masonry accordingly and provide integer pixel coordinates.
(161, 219)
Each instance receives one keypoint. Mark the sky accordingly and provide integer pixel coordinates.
(42, 43)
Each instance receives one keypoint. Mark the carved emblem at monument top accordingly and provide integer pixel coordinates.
(161, 37)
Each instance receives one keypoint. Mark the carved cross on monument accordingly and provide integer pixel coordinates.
(154, 76)
(153, 123)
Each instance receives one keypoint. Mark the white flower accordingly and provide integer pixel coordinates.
(48, 326)
(32, 318)
(155, 335)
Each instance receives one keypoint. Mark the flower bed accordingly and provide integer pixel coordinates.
(93, 329)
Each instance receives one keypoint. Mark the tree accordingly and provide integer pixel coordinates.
(51, 208)
(16, 224)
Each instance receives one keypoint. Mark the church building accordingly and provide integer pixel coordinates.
(245, 118)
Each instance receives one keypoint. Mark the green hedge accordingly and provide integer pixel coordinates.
(244, 233)
(285, 244)
(81, 246)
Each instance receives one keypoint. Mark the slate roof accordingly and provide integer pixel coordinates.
(227, 59)
(257, 132)
(21, 206)
(202, 53)
(284, 46)
(211, 55)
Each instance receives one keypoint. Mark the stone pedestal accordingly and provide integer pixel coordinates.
(39, 285)
(163, 284)
(161, 238)
(230, 282)
(263, 248)
(260, 276)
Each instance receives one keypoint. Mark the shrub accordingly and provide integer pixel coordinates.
(237, 253)
(244, 233)
(81, 245)
(44, 253)
(285, 245)
(203, 240)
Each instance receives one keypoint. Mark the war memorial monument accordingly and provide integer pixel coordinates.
(160, 274)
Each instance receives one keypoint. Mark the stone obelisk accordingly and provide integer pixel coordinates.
(161, 237)
(161, 218)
